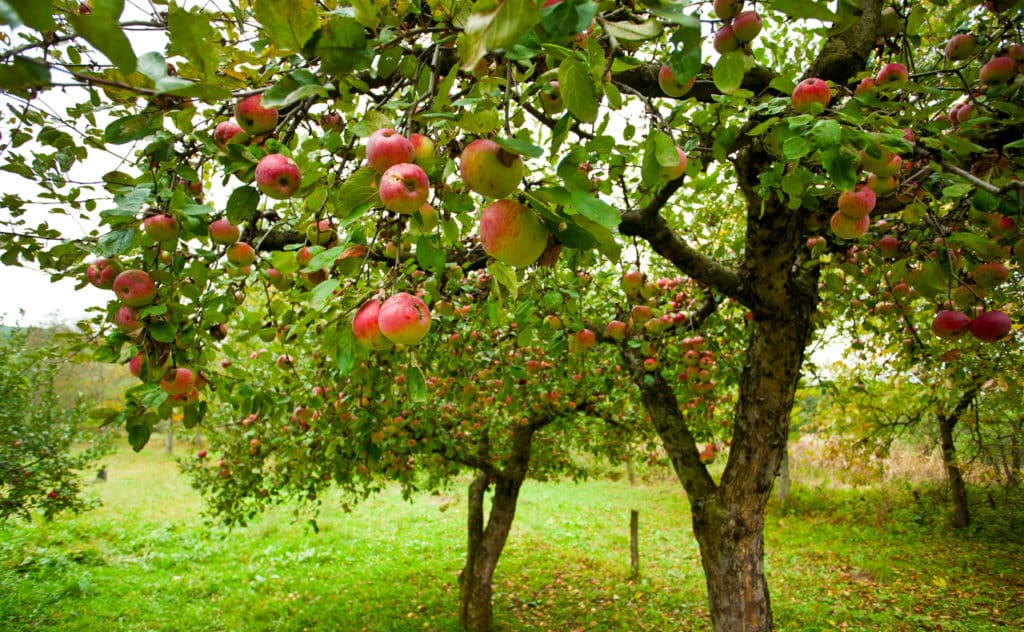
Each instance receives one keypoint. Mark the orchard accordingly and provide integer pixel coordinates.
(359, 243)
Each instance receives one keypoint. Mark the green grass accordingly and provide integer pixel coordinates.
(849, 559)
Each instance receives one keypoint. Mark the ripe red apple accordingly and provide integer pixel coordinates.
(888, 246)
(631, 282)
(102, 272)
(671, 173)
(670, 85)
(811, 95)
(224, 232)
(253, 118)
(650, 364)
(489, 169)
(512, 233)
(866, 86)
(846, 227)
(278, 279)
(746, 26)
(551, 99)
(127, 319)
(161, 227)
(365, 327)
(404, 319)
(277, 176)
(321, 233)
(228, 132)
(585, 339)
(135, 364)
(892, 73)
(178, 381)
(616, 330)
(991, 326)
(422, 149)
(991, 274)
(950, 323)
(386, 147)
(856, 204)
(960, 112)
(727, 9)
(241, 254)
(998, 70)
(960, 46)
(135, 288)
(404, 188)
(725, 40)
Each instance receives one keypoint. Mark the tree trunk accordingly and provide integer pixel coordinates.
(783, 483)
(169, 438)
(957, 488)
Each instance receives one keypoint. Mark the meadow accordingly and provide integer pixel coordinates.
(876, 557)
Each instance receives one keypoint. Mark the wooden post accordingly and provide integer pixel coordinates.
(634, 541)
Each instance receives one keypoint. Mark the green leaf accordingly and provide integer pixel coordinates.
(192, 36)
(805, 9)
(23, 73)
(345, 356)
(979, 245)
(665, 153)
(429, 255)
(416, 384)
(505, 275)
(161, 331)
(673, 11)
(728, 72)
(133, 127)
(242, 204)
(341, 46)
(495, 25)
(827, 133)
(291, 88)
(116, 242)
(288, 23)
(841, 168)
(357, 194)
(101, 29)
(595, 209)
(630, 32)
(193, 415)
(138, 435)
(323, 292)
(578, 90)
(565, 19)
(795, 147)
(520, 147)
(31, 13)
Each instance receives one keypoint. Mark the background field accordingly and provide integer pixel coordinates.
(837, 558)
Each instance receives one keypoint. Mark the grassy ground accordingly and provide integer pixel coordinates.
(835, 559)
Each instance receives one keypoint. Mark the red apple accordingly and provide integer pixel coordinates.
(991, 326)
(321, 233)
(161, 227)
(228, 132)
(866, 86)
(888, 246)
(135, 288)
(178, 381)
(846, 227)
(404, 319)
(422, 149)
(277, 176)
(127, 319)
(512, 233)
(746, 26)
(725, 40)
(892, 73)
(811, 95)
(950, 323)
(404, 188)
(585, 339)
(102, 272)
(253, 118)
(960, 112)
(241, 254)
(631, 282)
(332, 121)
(386, 147)
(366, 329)
(224, 232)
(857, 203)
(489, 169)
(990, 275)
(960, 46)
(676, 171)
(616, 330)
(135, 364)
(727, 9)
(650, 364)
(998, 70)
(670, 85)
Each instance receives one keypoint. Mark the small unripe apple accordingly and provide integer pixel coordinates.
(277, 176)
(228, 132)
(102, 272)
(886, 165)
(489, 169)
(253, 118)
(426, 218)
(386, 147)
(725, 40)
(950, 323)
(889, 23)
(882, 186)
(676, 171)
(552, 322)
(857, 203)
(747, 26)
(404, 319)
(241, 254)
(404, 188)
(551, 99)
(178, 381)
(670, 85)
(991, 326)
(224, 232)
(727, 9)
(512, 233)
(422, 149)
(960, 46)
(135, 288)
(365, 327)
(892, 73)
(998, 70)
(127, 319)
(811, 95)
(846, 227)
(161, 227)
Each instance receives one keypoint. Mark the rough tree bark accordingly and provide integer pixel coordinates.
(484, 544)
(957, 488)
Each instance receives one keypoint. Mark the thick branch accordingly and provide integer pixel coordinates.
(846, 54)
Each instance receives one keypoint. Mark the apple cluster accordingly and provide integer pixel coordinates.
(402, 319)
(987, 326)
(739, 27)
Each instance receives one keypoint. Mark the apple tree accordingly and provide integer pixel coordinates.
(281, 165)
